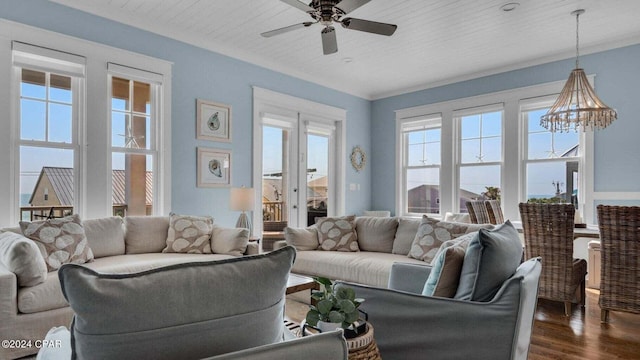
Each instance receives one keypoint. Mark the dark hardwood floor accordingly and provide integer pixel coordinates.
(582, 336)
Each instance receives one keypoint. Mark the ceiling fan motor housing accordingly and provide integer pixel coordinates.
(326, 12)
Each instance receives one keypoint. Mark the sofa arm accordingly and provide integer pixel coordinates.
(408, 277)
(279, 244)
(330, 345)
(253, 248)
(8, 301)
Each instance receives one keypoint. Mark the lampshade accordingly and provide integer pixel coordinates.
(242, 199)
(578, 105)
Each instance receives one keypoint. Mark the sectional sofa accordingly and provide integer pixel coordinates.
(119, 245)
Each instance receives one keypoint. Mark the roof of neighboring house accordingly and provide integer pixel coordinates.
(61, 180)
(424, 188)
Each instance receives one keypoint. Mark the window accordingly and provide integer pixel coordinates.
(493, 140)
(480, 155)
(551, 160)
(74, 141)
(48, 127)
(421, 166)
(134, 152)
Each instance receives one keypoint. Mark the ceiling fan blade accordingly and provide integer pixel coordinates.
(369, 26)
(298, 5)
(329, 41)
(348, 6)
(286, 29)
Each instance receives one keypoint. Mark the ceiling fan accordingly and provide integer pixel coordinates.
(327, 12)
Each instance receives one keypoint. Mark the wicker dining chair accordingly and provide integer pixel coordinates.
(494, 211)
(548, 233)
(620, 266)
(478, 212)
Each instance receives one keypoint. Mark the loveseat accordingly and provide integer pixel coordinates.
(118, 245)
(382, 241)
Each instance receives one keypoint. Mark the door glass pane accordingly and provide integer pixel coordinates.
(275, 178)
(46, 182)
(132, 184)
(423, 190)
(317, 177)
(474, 181)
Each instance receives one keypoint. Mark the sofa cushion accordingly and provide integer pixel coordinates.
(145, 234)
(189, 234)
(229, 241)
(179, 311)
(302, 239)
(22, 257)
(105, 236)
(490, 260)
(363, 267)
(432, 233)
(445, 274)
(406, 232)
(48, 296)
(337, 233)
(376, 233)
(61, 241)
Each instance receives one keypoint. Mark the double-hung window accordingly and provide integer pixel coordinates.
(49, 88)
(134, 109)
(93, 148)
(479, 152)
(421, 165)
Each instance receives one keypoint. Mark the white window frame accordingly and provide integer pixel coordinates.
(282, 106)
(457, 116)
(431, 121)
(94, 156)
(155, 82)
(512, 179)
(546, 102)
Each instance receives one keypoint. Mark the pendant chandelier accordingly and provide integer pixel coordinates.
(577, 106)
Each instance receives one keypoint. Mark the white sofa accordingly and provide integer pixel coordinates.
(119, 246)
(382, 242)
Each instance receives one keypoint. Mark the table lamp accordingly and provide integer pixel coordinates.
(242, 199)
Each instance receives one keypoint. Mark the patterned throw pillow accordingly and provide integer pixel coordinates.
(189, 234)
(60, 241)
(337, 233)
(432, 233)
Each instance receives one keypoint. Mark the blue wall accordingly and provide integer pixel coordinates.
(198, 73)
(617, 149)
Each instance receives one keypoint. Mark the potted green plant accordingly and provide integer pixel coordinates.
(334, 308)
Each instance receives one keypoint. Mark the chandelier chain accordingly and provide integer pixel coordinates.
(577, 40)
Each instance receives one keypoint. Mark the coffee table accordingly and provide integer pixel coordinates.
(298, 283)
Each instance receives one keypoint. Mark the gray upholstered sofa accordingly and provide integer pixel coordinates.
(119, 246)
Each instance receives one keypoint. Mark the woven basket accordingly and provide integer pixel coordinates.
(363, 347)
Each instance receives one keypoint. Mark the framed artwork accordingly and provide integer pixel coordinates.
(214, 168)
(213, 121)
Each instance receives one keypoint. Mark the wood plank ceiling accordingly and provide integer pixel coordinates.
(437, 41)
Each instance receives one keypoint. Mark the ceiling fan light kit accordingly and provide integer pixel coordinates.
(330, 12)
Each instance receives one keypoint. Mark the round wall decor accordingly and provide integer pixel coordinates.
(358, 158)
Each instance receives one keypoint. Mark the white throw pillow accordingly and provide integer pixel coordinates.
(57, 345)
(302, 239)
(22, 257)
(229, 241)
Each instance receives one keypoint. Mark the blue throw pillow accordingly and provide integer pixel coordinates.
(489, 261)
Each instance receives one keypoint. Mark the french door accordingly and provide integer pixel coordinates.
(297, 170)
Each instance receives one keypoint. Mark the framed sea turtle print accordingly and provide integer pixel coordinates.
(213, 121)
(214, 168)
